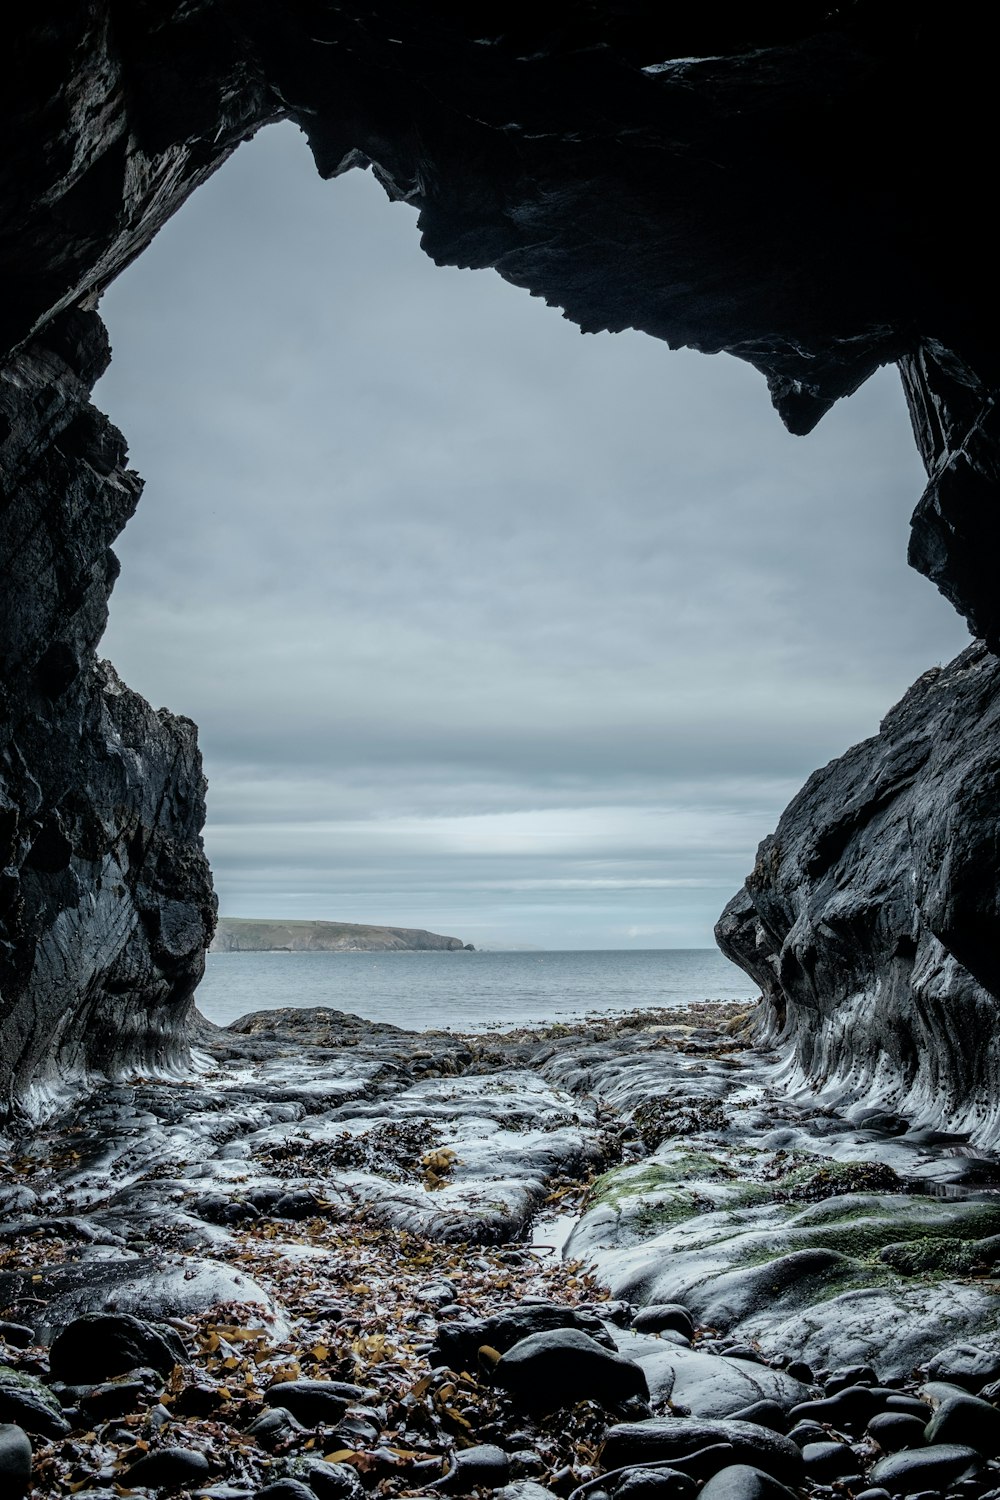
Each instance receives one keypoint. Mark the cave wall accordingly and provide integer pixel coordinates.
(870, 917)
(801, 187)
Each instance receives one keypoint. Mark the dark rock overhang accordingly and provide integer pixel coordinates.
(802, 187)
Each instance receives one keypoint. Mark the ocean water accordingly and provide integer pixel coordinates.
(469, 991)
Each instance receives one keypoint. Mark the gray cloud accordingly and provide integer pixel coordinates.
(488, 626)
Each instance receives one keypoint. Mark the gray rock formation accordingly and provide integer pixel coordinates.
(106, 901)
(871, 919)
(752, 185)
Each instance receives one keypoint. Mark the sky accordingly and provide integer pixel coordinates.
(488, 626)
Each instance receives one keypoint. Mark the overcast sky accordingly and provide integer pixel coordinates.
(488, 627)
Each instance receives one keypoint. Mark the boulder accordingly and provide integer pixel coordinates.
(549, 1370)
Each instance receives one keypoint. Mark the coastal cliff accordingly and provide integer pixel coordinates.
(248, 935)
(871, 919)
(749, 186)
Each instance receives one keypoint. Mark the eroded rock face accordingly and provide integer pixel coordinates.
(755, 186)
(106, 901)
(871, 918)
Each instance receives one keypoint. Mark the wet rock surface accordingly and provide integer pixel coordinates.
(309, 1268)
(871, 919)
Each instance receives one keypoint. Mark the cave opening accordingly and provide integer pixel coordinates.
(487, 627)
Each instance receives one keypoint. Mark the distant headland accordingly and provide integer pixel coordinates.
(248, 935)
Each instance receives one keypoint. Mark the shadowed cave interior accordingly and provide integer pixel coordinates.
(805, 194)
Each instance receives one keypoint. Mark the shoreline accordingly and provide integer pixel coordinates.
(337, 1202)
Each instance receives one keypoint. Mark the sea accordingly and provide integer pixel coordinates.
(470, 991)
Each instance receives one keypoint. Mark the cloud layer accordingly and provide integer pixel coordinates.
(488, 626)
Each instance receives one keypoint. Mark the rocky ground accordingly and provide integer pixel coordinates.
(606, 1261)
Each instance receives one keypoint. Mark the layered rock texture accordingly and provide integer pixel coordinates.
(870, 919)
(802, 189)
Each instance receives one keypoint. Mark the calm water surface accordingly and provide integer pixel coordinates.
(469, 991)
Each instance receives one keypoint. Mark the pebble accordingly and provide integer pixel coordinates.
(654, 1484)
(966, 1419)
(99, 1345)
(15, 1461)
(114, 1398)
(526, 1489)
(549, 1370)
(765, 1414)
(286, 1489)
(873, 1494)
(743, 1482)
(17, 1334)
(26, 1402)
(327, 1481)
(910, 1404)
(309, 1401)
(457, 1345)
(850, 1375)
(919, 1469)
(895, 1430)
(274, 1427)
(485, 1465)
(806, 1432)
(167, 1468)
(828, 1461)
(852, 1407)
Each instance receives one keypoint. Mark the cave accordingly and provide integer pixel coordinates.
(801, 190)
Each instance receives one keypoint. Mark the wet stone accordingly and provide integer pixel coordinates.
(852, 1407)
(837, 1380)
(15, 1460)
(549, 1370)
(27, 1403)
(275, 1427)
(286, 1489)
(654, 1484)
(327, 1481)
(670, 1439)
(909, 1404)
(19, 1335)
(765, 1414)
(914, 1470)
(806, 1432)
(310, 1401)
(168, 1468)
(99, 1345)
(896, 1430)
(114, 1398)
(828, 1461)
(663, 1316)
(744, 1482)
(966, 1365)
(485, 1465)
(968, 1420)
(457, 1345)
